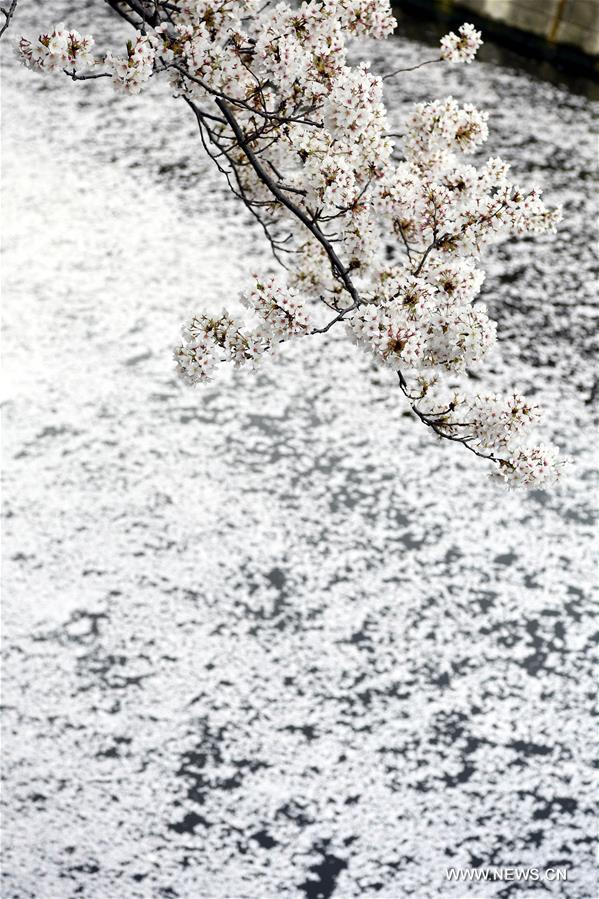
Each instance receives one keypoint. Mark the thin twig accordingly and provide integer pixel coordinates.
(427, 62)
(341, 315)
(75, 77)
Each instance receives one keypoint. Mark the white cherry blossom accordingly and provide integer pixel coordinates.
(303, 139)
(59, 49)
(463, 46)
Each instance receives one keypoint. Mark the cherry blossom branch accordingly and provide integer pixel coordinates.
(117, 7)
(339, 317)
(8, 14)
(240, 103)
(263, 175)
(429, 419)
(427, 62)
(299, 134)
(88, 76)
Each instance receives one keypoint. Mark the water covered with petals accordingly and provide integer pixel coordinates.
(266, 638)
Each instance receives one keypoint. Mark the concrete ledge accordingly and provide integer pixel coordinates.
(579, 25)
(535, 16)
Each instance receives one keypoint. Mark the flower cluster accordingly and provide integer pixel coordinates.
(463, 46)
(495, 420)
(533, 466)
(208, 341)
(460, 337)
(304, 137)
(389, 332)
(363, 17)
(497, 428)
(441, 127)
(277, 315)
(418, 324)
(280, 313)
(59, 49)
(500, 423)
(130, 72)
(457, 281)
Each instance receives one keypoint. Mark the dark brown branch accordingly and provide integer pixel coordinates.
(429, 419)
(427, 62)
(116, 5)
(236, 102)
(240, 191)
(339, 317)
(299, 213)
(140, 8)
(8, 14)
(75, 77)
